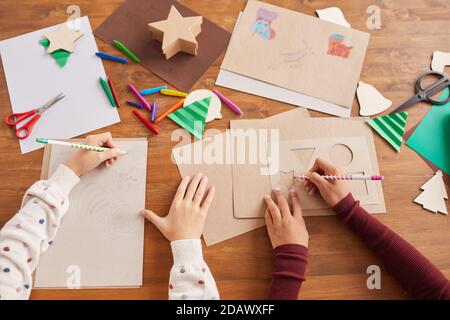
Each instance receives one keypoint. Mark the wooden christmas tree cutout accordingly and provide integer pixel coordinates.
(440, 61)
(63, 38)
(371, 101)
(177, 33)
(434, 194)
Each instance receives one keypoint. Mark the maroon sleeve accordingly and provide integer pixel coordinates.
(289, 271)
(418, 276)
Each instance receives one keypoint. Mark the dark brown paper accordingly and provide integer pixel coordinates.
(129, 25)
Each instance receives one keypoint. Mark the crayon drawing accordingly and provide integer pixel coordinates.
(336, 46)
(263, 22)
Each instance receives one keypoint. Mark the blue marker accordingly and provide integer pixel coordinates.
(111, 58)
(152, 90)
(154, 111)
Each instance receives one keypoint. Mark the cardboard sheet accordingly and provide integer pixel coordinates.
(128, 24)
(221, 224)
(33, 78)
(102, 234)
(247, 176)
(297, 52)
(349, 153)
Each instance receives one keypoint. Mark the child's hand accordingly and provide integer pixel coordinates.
(283, 226)
(84, 161)
(187, 213)
(331, 191)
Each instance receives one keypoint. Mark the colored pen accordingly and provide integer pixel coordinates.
(113, 91)
(176, 106)
(154, 111)
(125, 50)
(173, 93)
(140, 98)
(149, 125)
(344, 177)
(135, 104)
(75, 145)
(110, 58)
(228, 102)
(107, 91)
(152, 90)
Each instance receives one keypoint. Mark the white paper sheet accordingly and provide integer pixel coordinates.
(33, 78)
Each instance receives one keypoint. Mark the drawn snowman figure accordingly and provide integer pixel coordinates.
(262, 24)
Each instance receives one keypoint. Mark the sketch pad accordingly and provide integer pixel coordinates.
(102, 233)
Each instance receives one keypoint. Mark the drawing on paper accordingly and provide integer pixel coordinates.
(336, 46)
(263, 23)
(292, 59)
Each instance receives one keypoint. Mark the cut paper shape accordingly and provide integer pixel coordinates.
(262, 25)
(61, 56)
(333, 14)
(434, 194)
(431, 137)
(371, 101)
(324, 148)
(336, 46)
(192, 117)
(177, 33)
(63, 38)
(440, 60)
(391, 127)
(215, 104)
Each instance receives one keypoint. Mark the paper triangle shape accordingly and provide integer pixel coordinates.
(391, 127)
(434, 194)
(61, 56)
(192, 117)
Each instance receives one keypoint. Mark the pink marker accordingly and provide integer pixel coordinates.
(140, 97)
(345, 177)
(227, 101)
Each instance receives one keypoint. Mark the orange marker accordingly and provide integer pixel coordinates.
(149, 125)
(113, 91)
(173, 108)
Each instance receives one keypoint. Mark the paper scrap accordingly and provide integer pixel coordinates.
(440, 60)
(63, 38)
(391, 127)
(333, 14)
(371, 101)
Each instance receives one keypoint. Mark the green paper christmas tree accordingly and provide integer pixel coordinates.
(192, 117)
(391, 127)
(60, 55)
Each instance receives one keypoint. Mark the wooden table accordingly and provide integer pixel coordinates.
(412, 30)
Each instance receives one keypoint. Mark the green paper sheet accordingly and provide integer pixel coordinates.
(192, 117)
(60, 55)
(431, 139)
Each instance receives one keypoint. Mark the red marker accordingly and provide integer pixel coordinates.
(149, 125)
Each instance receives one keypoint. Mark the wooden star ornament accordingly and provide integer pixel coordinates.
(177, 33)
(63, 38)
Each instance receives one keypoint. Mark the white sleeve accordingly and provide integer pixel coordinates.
(190, 277)
(31, 231)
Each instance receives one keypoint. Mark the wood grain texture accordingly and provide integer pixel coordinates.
(397, 54)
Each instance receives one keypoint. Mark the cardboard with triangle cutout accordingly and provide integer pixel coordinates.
(192, 117)
(391, 127)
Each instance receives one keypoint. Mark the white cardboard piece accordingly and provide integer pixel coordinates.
(371, 101)
(33, 78)
(434, 194)
(333, 14)
(440, 60)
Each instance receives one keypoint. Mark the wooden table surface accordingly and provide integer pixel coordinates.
(411, 31)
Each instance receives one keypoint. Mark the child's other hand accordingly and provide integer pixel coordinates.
(332, 192)
(84, 161)
(187, 213)
(283, 226)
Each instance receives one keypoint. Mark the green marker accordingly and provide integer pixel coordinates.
(107, 91)
(125, 50)
(75, 145)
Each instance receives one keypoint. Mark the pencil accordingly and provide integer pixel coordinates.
(76, 145)
(114, 91)
(107, 91)
(125, 50)
(344, 177)
(173, 108)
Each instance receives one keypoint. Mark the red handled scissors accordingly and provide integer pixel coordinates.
(24, 131)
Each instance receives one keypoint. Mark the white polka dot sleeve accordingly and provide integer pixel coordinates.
(190, 277)
(31, 231)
